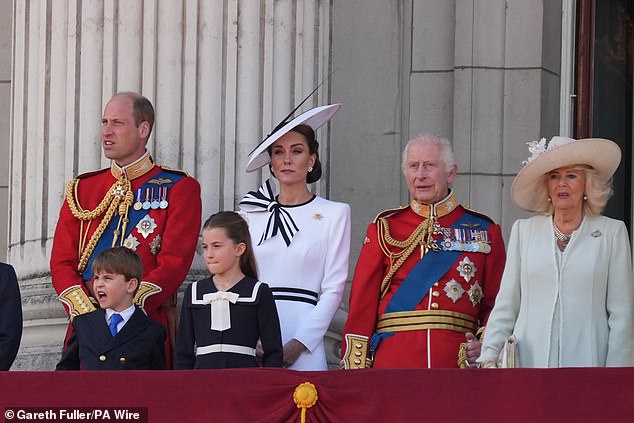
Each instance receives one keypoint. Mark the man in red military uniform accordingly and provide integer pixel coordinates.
(427, 275)
(152, 210)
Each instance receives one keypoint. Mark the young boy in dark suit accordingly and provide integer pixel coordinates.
(117, 336)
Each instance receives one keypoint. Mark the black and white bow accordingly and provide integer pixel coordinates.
(280, 220)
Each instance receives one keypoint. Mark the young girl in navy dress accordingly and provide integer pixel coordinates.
(225, 315)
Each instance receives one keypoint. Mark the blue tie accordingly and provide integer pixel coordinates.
(115, 319)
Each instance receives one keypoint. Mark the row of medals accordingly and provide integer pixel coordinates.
(468, 240)
(155, 198)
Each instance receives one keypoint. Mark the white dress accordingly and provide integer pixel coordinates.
(308, 276)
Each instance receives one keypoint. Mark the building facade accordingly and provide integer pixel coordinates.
(490, 75)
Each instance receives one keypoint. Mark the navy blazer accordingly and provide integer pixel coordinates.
(139, 345)
(10, 316)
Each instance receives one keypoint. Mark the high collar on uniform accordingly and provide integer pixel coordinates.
(135, 169)
(439, 209)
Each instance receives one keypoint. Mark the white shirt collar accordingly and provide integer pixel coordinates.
(126, 314)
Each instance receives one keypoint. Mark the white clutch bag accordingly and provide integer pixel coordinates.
(509, 357)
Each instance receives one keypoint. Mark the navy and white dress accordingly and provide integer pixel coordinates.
(220, 329)
(302, 253)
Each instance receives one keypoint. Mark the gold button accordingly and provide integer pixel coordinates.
(434, 305)
(102, 358)
(357, 353)
(435, 294)
(357, 361)
(358, 345)
(122, 360)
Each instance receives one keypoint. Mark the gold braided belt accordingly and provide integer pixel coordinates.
(426, 319)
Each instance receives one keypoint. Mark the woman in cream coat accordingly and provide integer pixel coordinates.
(567, 294)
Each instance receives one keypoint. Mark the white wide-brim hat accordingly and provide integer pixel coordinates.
(313, 118)
(601, 154)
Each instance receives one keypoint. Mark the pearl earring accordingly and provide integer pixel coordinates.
(549, 199)
(585, 197)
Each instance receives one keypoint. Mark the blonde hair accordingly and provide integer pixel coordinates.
(597, 192)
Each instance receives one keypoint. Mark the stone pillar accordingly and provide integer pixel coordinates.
(6, 12)
(220, 75)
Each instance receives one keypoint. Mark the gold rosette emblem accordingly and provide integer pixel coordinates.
(305, 396)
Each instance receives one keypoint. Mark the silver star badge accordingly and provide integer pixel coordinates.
(475, 294)
(146, 226)
(454, 290)
(131, 242)
(467, 269)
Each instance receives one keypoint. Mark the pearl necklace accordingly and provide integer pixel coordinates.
(565, 239)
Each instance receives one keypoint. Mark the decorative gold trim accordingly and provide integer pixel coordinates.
(305, 396)
(463, 358)
(146, 289)
(118, 198)
(357, 356)
(440, 209)
(480, 333)
(76, 300)
(426, 319)
(397, 259)
(134, 170)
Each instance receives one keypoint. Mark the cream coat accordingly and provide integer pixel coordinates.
(595, 290)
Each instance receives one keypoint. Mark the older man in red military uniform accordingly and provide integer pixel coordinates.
(152, 210)
(427, 275)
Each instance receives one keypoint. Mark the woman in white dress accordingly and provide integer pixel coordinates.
(302, 240)
(566, 294)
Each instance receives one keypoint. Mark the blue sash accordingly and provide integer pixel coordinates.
(134, 216)
(429, 269)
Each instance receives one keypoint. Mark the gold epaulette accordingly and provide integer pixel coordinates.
(357, 352)
(146, 289)
(77, 301)
(179, 171)
(477, 213)
(389, 213)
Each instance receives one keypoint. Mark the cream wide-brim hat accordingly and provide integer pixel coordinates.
(601, 154)
(313, 118)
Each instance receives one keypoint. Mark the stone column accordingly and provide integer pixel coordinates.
(220, 75)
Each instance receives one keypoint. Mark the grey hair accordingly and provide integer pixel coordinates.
(446, 149)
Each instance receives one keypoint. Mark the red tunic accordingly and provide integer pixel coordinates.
(425, 347)
(167, 252)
